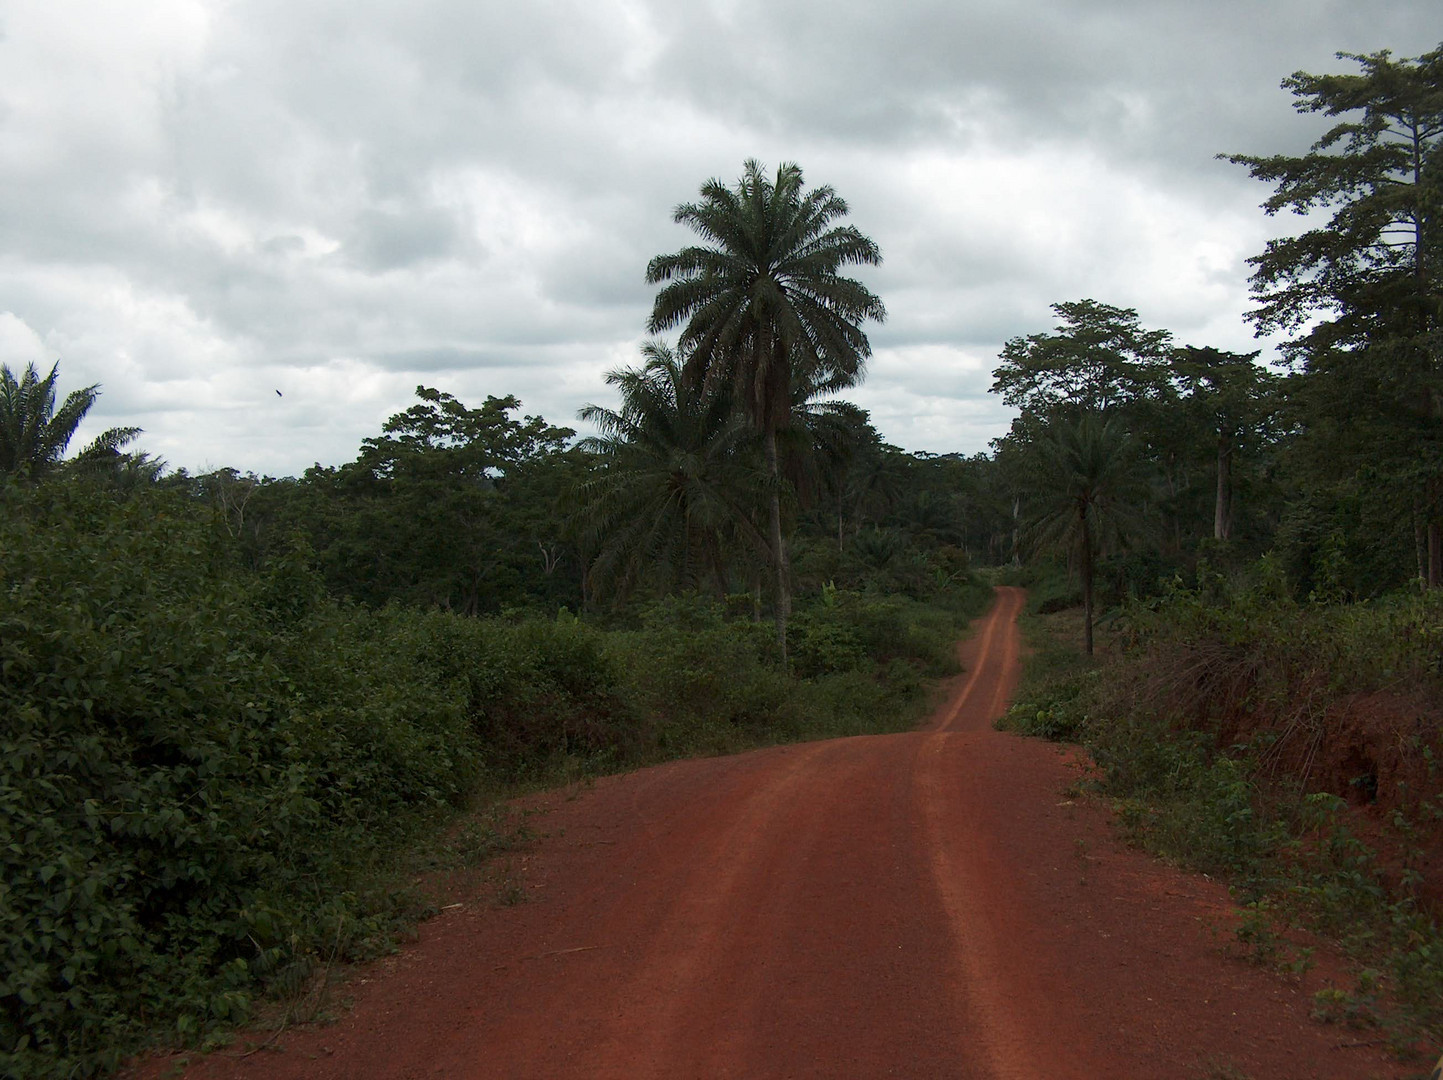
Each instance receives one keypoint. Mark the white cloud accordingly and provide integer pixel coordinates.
(20, 345)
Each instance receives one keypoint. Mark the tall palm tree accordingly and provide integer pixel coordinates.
(675, 478)
(34, 433)
(1083, 478)
(761, 303)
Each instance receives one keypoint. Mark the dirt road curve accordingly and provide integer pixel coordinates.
(921, 905)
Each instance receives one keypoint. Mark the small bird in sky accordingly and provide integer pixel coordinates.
(279, 394)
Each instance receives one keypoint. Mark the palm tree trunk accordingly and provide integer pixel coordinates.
(1016, 530)
(1223, 508)
(718, 565)
(1435, 555)
(1087, 582)
(1420, 545)
(779, 547)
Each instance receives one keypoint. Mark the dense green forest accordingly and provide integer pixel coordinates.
(229, 700)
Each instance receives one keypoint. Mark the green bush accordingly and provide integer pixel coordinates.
(843, 630)
(203, 766)
(1052, 699)
(707, 683)
(712, 684)
(194, 769)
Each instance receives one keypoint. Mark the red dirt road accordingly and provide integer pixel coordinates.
(928, 904)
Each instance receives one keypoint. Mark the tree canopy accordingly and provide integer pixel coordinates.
(1362, 293)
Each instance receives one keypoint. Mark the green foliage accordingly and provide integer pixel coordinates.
(196, 765)
(761, 303)
(676, 479)
(712, 684)
(1359, 290)
(1051, 700)
(450, 506)
(1098, 358)
(846, 628)
(1085, 473)
(1378, 170)
(765, 311)
(1346, 541)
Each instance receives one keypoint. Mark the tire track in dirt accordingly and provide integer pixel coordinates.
(658, 1001)
(1008, 1013)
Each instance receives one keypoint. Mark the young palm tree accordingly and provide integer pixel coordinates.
(34, 433)
(762, 305)
(1083, 479)
(822, 438)
(675, 478)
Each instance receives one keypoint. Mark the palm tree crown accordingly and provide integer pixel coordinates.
(763, 298)
(674, 478)
(1086, 476)
(34, 433)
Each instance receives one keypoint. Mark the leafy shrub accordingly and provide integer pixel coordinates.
(708, 683)
(201, 765)
(1050, 588)
(1052, 700)
(841, 628)
(537, 693)
(194, 770)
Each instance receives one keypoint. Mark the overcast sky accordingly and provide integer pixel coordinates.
(207, 202)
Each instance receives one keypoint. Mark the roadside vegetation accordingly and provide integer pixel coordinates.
(234, 705)
(1268, 703)
(1292, 748)
(209, 769)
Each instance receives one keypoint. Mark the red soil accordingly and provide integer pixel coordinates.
(931, 904)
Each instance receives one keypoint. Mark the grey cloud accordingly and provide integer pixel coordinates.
(383, 240)
(357, 197)
(1165, 79)
(440, 358)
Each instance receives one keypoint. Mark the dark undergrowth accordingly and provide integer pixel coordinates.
(1290, 747)
(217, 783)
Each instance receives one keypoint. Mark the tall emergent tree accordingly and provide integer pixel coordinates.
(762, 305)
(1363, 293)
(34, 433)
(1098, 357)
(1232, 397)
(441, 509)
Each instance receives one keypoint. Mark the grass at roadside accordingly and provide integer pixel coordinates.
(1162, 711)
